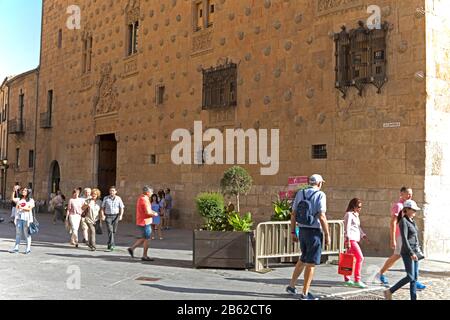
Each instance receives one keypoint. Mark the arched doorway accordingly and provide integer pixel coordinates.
(55, 177)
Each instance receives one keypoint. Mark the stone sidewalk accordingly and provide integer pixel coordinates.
(48, 272)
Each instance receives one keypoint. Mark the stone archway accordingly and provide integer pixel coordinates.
(55, 177)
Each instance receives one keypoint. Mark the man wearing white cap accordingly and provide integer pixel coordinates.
(308, 212)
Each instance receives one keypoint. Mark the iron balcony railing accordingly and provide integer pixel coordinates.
(46, 120)
(16, 126)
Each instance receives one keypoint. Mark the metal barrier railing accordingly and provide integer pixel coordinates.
(274, 240)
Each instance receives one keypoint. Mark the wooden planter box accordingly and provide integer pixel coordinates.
(223, 249)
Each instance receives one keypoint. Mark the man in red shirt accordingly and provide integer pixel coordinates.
(144, 214)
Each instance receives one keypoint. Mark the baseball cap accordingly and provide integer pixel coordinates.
(411, 204)
(147, 189)
(315, 179)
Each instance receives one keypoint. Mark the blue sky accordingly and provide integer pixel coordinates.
(20, 25)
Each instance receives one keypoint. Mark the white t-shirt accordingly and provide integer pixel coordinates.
(22, 214)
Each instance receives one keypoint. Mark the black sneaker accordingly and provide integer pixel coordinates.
(147, 259)
(309, 296)
(130, 251)
(291, 290)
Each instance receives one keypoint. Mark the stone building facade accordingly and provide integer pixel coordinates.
(135, 71)
(21, 128)
(3, 135)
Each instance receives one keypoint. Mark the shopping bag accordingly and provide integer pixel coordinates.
(346, 264)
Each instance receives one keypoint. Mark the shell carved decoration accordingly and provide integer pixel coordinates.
(132, 11)
(106, 99)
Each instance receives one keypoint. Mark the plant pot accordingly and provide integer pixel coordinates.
(223, 249)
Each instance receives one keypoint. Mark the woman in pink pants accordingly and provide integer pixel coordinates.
(353, 234)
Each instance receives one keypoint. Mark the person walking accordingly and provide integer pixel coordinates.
(410, 252)
(23, 217)
(144, 215)
(353, 233)
(156, 224)
(112, 213)
(73, 214)
(406, 193)
(57, 203)
(162, 208)
(308, 211)
(92, 205)
(86, 195)
(168, 208)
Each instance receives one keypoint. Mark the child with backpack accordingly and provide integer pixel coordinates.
(353, 234)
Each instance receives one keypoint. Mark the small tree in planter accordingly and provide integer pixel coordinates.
(236, 181)
(226, 241)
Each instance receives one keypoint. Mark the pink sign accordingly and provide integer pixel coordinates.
(283, 195)
(290, 194)
(293, 181)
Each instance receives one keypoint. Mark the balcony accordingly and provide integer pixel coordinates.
(16, 126)
(46, 120)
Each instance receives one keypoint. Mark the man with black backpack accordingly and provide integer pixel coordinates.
(308, 213)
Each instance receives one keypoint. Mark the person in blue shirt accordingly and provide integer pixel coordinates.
(310, 235)
(156, 224)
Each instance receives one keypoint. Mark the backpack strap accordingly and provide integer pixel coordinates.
(310, 197)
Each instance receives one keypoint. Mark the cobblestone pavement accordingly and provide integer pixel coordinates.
(438, 288)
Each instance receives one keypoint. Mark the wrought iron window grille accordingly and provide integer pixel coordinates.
(220, 86)
(360, 58)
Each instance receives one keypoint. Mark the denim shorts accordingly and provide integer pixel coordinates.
(310, 245)
(145, 232)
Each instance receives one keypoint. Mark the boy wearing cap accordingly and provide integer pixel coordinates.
(410, 252)
(310, 236)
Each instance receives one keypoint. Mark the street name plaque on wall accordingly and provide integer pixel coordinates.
(324, 7)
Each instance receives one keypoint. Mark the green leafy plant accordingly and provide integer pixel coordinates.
(210, 206)
(282, 210)
(239, 223)
(236, 181)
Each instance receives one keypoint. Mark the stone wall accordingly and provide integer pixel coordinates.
(437, 172)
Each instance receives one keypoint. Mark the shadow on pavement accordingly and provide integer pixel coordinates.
(125, 258)
(218, 292)
(315, 283)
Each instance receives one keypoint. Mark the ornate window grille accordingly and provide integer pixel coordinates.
(378, 47)
(342, 53)
(360, 58)
(220, 86)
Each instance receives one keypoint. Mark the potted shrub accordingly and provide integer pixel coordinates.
(226, 239)
(281, 210)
